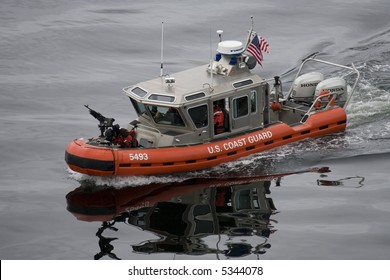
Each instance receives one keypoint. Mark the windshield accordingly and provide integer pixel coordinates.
(139, 107)
(165, 115)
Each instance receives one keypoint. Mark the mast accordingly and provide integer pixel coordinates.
(219, 32)
(162, 49)
(211, 62)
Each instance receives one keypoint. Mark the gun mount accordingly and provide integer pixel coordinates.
(104, 122)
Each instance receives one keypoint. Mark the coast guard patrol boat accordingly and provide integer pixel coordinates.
(177, 128)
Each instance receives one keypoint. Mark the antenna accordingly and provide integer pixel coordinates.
(162, 48)
(219, 32)
(211, 62)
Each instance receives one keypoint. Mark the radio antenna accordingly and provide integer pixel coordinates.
(211, 62)
(162, 49)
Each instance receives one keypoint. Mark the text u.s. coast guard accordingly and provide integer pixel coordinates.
(240, 142)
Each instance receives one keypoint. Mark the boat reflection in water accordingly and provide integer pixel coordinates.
(226, 217)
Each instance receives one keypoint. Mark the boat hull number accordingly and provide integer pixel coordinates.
(138, 156)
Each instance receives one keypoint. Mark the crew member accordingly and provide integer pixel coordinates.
(218, 119)
(121, 136)
(125, 138)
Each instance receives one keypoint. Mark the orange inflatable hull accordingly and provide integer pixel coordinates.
(106, 161)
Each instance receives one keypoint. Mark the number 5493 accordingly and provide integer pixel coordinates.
(138, 156)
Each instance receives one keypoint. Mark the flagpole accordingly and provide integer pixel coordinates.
(250, 33)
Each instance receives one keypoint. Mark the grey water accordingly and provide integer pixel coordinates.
(56, 56)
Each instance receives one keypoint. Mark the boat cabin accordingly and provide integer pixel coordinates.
(201, 104)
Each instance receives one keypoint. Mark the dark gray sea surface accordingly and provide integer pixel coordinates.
(324, 198)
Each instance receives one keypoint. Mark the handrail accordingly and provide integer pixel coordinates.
(353, 87)
(312, 58)
(312, 107)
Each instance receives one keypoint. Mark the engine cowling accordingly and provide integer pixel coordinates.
(305, 85)
(335, 85)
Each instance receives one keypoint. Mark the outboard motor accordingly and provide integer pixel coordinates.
(305, 85)
(335, 85)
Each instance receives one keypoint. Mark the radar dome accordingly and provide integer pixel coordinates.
(230, 47)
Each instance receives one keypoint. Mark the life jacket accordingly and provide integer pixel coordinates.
(218, 119)
(126, 139)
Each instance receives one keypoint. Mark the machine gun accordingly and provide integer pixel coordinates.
(104, 122)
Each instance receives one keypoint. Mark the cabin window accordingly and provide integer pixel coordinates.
(240, 107)
(199, 115)
(145, 143)
(139, 91)
(165, 115)
(242, 83)
(163, 98)
(139, 107)
(195, 96)
(253, 101)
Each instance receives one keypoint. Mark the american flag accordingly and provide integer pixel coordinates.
(257, 46)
